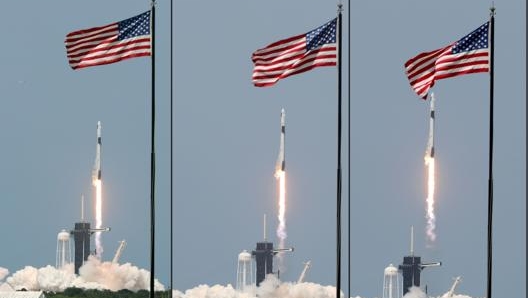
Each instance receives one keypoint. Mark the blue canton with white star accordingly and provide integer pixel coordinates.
(322, 35)
(135, 26)
(475, 40)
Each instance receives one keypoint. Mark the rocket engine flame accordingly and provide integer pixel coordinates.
(98, 217)
(431, 219)
(281, 229)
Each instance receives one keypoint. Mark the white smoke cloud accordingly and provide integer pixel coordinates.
(271, 287)
(216, 291)
(51, 279)
(415, 292)
(94, 274)
(106, 275)
(116, 277)
(3, 273)
(24, 279)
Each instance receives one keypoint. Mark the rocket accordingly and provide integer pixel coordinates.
(430, 142)
(281, 161)
(96, 175)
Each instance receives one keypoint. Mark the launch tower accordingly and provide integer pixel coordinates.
(264, 259)
(263, 254)
(412, 267)
(81, 236)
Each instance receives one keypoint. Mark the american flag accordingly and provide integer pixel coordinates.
(111, 43)
(470, 54)
(295, 55)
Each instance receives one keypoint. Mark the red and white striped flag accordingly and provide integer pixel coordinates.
(468, 55)
(111, 43)
(295, 55)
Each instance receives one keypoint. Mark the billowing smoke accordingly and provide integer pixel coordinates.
(415, 292)
(3, 273)
(105, 275)
(111, 276)
(94, 274)
(271, 287)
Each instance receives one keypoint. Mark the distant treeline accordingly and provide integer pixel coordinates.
(82, 293)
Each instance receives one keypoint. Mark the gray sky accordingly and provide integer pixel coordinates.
(226, 139)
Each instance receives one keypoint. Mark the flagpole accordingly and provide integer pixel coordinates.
(490, 178)
(348, 146)
(171, 151)
(152, 154)
(338, 207)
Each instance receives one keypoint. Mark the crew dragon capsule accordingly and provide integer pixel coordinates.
(97, 165)
(281, 161)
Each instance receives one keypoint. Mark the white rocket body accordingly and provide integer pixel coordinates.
(96, 175)
(430, 142)
(281, 161)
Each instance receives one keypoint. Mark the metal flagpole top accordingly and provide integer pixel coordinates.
(492, 9)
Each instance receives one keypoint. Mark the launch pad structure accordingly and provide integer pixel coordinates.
(81, 236)
(412, 266)
(264, 253)
(82, 232)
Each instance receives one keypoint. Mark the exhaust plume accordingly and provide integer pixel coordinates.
(431, 219)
